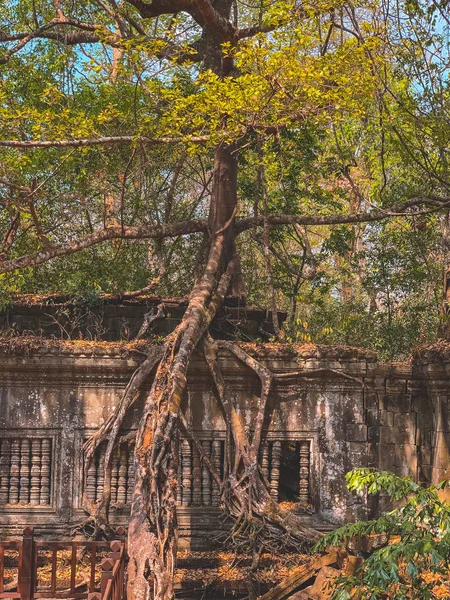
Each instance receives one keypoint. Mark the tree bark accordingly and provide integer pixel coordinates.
(152, 532)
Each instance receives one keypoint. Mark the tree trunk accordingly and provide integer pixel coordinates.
(152, 532)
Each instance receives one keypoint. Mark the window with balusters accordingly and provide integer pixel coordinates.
(285, 464)
(25, 471)
(122, 475)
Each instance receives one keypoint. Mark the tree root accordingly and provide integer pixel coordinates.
(258, 519)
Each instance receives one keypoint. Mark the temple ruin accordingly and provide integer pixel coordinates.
(333, 409)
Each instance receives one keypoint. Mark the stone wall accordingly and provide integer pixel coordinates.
(333, 410)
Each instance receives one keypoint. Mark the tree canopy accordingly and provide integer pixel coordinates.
(338, 114)
(293, 154)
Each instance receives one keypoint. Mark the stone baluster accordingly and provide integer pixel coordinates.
(206, 475)
(114, 477)
(196, 479)
(46, 450)
(35, 471)
(186, 479)
(275, 469)
(100, 474)
(14, 472)
(5, 457)
(265, 461)
(91, 481)
(130, 477)
(122, 482)
(179, 479)
(304, 473)
(25, 458)
(216, 462)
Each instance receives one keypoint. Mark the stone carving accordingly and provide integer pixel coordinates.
(196, 476)
(25, 466)
(14, 473)
(265, 461)
(206, 475)
(304, 496)
(46, 449)
(100, 476)
(35, 471)
(130, 474)
(5, 458)
(25, 459)
(186, 473)
(196, 485)
(122, 480)
(216, 460)
(275, 469)
(114, 478)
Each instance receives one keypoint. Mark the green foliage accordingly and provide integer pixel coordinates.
(411, 544)
(357, 120)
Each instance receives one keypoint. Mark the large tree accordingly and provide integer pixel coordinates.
(130, 120)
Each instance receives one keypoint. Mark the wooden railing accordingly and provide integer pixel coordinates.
(106, 580)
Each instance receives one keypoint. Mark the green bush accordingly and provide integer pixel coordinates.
(413, 551)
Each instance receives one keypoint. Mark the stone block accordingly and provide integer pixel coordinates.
(425, 455)
(442, 417)
(421, 403)
(372, 455)
(357, 455)
(423, 435)
(387, 457)
(425, 474)
(388, 435)
(395, 386)
(397, 402)
(439, 475)
(372, 417)
(386, 418)
(441, 457)
(406, 426)
(373, 434)
(356, 432)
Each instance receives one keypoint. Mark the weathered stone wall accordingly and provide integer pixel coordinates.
(352, 411)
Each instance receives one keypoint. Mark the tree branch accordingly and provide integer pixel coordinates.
(397, 210)
(110, 233)
(102, 140)
(214, 20)
(201, 225)
(159, 7)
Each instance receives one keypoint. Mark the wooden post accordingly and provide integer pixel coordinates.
(25, 579)
(116, 547)
(94, 596)
(121, 533)
(107, 569)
